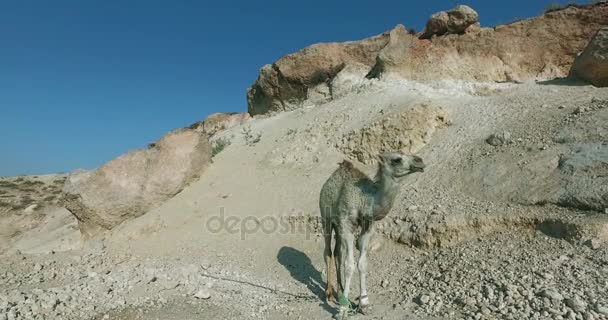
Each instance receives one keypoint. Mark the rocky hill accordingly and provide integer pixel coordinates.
(540, 48)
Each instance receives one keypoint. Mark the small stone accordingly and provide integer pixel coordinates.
(423, 299)
(579, 110)
(384, 283)
(603, 310)
(606, 211)
(552, 294)
(546, 275)
(38, 267)
(499, 139)
(202, 294)
(577, 304)
(593, 243)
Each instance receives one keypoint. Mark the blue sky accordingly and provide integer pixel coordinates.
(84, 81)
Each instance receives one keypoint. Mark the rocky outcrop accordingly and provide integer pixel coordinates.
(136, 182)
(592, 64)
(283, 85)
(540, 48)
(455, 21)
(572, 173)
(218, 122)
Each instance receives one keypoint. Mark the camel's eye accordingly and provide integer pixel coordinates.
(397, 161)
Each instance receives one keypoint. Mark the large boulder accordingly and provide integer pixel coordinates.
(592, 64)
(455, 21)
(132, 184)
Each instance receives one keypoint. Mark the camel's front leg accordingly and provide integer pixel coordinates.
(364, 241)
(347, 251)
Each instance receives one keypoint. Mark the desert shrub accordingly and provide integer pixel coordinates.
(250, 137)
(8, 184)
(411, 31)
(219, 145)
(49, 198)
(33, 183)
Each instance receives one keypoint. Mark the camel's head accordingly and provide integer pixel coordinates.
(397, 164)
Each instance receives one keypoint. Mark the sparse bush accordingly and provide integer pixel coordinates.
(20, 179)
(32, 183)
(412, 31)
(250, 137)
(219, 145)
(49, 198)
(8, 184)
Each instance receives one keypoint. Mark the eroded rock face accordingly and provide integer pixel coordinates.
(455, 21)
(592, 64)
(283, 85)
(408, 132)
(540, 48)
(136, 182)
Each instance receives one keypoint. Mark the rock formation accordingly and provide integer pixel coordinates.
(455, 21)
(592, 64)
(217, 122)
(540, 48)
(136, 182)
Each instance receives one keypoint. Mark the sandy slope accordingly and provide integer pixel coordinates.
(260, 267)
(282, 174)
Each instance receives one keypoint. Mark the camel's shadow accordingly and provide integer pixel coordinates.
(301, 268)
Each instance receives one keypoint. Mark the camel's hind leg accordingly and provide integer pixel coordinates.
(338, 263)
(329, 261)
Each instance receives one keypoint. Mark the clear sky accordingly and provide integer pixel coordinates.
(84, 81)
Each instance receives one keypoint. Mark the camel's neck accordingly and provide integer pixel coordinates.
(387, 190)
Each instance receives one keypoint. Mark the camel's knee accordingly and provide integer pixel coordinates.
(362, 264)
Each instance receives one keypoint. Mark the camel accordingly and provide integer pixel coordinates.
(350, 200)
